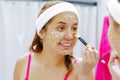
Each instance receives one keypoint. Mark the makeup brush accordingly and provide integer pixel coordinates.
(86, 44)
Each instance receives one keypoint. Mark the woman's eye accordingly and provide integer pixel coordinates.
(61, 28)
(74, 29)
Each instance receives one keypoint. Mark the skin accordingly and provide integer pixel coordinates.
(59, 36)
(114, 62)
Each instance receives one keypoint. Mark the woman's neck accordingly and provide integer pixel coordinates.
(50, 58)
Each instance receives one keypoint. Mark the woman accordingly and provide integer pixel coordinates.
(114, 36)
(51, 55)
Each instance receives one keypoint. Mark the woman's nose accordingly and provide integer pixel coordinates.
(68, 35)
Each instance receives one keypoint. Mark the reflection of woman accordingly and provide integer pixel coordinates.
(51, 57)
(114, 35)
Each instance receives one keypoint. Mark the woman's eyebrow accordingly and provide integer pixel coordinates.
(66, 23)
(75, 24)
(61, 22)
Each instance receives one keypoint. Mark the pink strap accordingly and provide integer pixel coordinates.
(67, 75)
(28, 67)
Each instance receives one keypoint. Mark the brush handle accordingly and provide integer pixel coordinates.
(85, 43)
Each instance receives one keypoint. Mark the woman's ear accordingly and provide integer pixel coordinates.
(42, 33)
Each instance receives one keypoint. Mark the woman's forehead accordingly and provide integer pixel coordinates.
(66, 16)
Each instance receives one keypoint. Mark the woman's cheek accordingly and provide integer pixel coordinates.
(55, 38)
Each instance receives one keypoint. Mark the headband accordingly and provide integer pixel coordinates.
(53, 11)
(114, 9)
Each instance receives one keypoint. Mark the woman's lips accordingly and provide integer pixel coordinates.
(66, 45)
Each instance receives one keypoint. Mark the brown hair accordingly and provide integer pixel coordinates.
(37, 45)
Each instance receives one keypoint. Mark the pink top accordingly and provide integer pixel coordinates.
(28, 68)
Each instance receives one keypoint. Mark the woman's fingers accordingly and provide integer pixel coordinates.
(90, 59)
(97, 55)
(91, 56)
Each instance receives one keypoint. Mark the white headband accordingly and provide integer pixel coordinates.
(114, 9)
(53, 11)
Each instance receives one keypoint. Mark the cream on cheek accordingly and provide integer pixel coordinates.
(55, 38)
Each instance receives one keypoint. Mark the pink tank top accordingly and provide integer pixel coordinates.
(28, 68)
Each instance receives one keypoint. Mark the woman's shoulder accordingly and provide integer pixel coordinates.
(22, 59)
(20, 63)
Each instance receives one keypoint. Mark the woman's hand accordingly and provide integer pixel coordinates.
(114, 66)
(89, 61)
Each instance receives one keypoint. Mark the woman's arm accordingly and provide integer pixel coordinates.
(19, 66)
(17, 70)
(88, 76)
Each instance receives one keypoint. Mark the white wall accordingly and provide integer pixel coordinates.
(102, 11)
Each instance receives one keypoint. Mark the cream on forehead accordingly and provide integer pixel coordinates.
(53, 11)
(70, 18)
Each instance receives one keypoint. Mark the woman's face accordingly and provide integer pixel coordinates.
(59, 36)
(115, 35)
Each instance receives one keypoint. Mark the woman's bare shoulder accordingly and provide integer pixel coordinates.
(22, 59)
(20, 63)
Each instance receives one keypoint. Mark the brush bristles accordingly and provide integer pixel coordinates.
(76, 35)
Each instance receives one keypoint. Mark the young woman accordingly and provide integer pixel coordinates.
(114, 36)
(50, 56)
